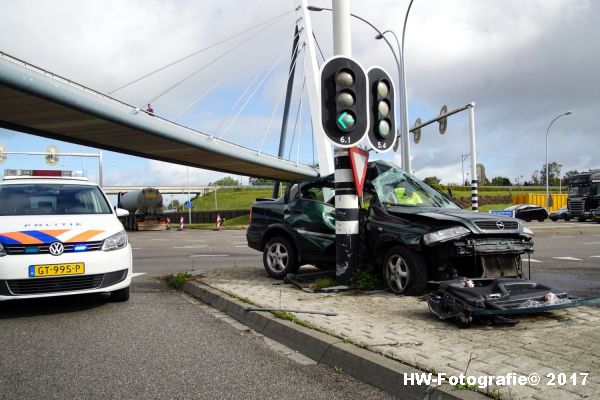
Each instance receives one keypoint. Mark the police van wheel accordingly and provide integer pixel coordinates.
(120, 295)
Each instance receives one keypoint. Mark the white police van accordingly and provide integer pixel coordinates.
(59, 236)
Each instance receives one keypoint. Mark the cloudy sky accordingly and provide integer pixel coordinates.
(523, 62)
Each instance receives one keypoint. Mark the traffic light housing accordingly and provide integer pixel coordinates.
(382, 127)
(344, 110)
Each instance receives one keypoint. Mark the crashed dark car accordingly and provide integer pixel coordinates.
(410, 233)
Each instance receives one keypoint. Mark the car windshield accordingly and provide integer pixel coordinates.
(52, 199)
(397, 188)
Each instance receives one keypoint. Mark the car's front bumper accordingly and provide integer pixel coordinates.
(105, 271)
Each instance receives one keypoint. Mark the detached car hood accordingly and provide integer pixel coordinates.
(478, 223)
(41, 229)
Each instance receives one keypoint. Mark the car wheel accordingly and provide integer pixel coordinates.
(555, 219)
(120, 295)
(581, 219)
(279, 258)
(541, 219)
(404, 272)
(567, 219)
(527, 220)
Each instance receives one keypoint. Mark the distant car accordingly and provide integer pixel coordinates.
(561, 213)
(596, 215)
(529, 212)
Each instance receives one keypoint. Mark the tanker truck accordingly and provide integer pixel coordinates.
(145, 210)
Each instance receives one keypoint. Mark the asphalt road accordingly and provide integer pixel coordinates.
(567, 255)
(158, 345)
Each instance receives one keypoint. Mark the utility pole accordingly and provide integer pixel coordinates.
(346, 199)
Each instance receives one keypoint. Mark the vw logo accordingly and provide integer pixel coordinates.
(500, 225)
(56, 248)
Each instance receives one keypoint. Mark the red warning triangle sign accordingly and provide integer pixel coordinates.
(358, 159)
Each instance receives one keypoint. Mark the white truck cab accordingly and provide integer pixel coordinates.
(59, 236)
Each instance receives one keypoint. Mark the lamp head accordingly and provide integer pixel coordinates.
(314, 8)
(568, 113)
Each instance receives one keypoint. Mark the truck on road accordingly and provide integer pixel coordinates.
(584, 194)
(145, 208)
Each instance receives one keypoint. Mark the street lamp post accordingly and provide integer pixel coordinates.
(548, 131)
(406, 164)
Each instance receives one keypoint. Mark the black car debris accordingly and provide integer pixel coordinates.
(529, 212)
(410, 233)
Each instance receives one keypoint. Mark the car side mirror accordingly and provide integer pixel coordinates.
(121, 212)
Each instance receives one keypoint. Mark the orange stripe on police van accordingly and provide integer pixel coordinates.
(22, 238)
(82, 237)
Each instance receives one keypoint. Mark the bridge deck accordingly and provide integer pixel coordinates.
(38, 102)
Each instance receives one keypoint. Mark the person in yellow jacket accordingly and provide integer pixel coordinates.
(408, 200)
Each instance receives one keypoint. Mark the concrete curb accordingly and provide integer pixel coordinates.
(361, 364)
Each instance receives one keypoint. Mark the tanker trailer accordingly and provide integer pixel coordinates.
(145, 210)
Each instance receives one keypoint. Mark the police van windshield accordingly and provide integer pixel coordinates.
(397, 188)
(52, 199)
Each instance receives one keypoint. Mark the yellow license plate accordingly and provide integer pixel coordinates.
(56, 269)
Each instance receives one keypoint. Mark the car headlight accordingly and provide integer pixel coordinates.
(445, 235)
(2, 251)
(528, 233)
(115, 242)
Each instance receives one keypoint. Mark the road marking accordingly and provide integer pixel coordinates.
(560, 236)
(136, 274)
(551, 227)
(568, 258)
(533, 260)
(161, 240)
(595, 256)
(191, 246)
(592, 243)
(209, 255)
(242, 246)
(136, 248)
(237, 242)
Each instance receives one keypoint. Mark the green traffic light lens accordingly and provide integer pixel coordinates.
(344, 78)
(384, 108)
(383, 128)
(383, 89)
(345, 121)
(345, 99)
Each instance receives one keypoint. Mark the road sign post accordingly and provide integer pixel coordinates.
(345, 119)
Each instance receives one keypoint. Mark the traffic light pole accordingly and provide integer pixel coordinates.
(346, 199)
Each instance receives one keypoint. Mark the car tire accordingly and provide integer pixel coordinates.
(120, 295)
(555, 219)
(581, 219)
(404, 272)
(567, 219)
(541, 219)
(279, 258)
